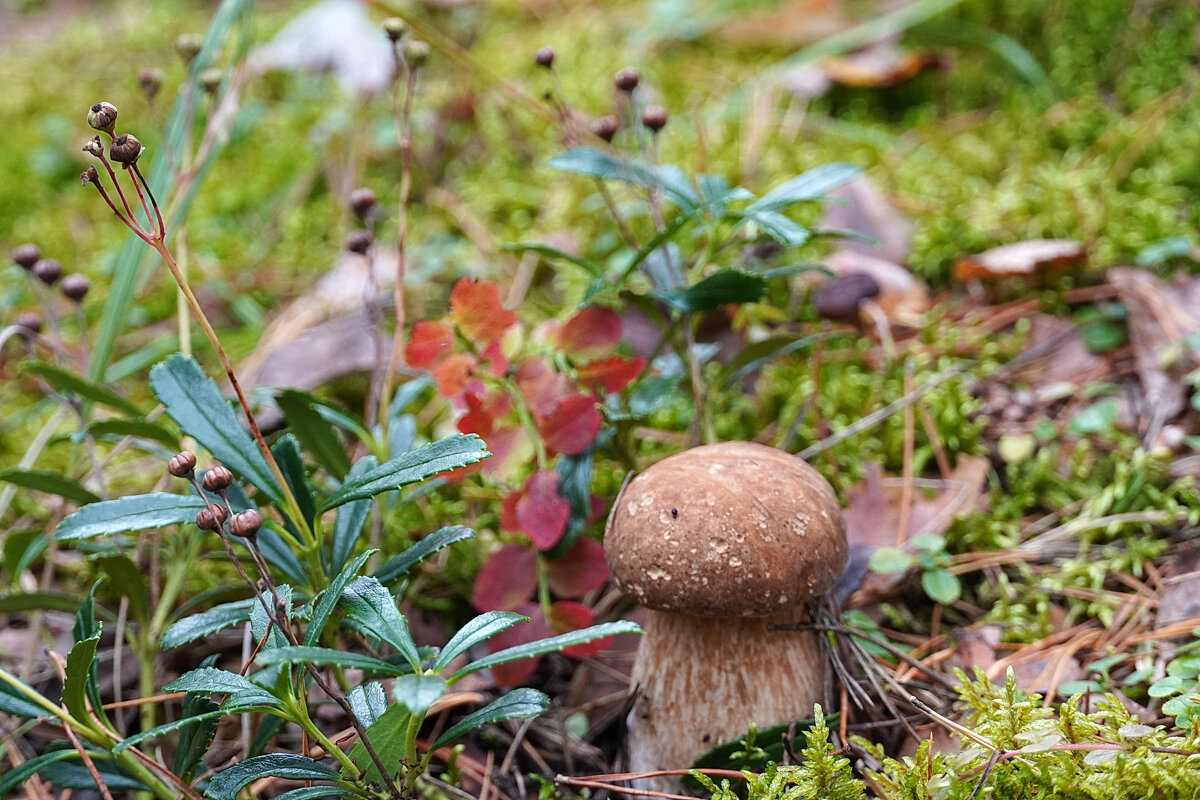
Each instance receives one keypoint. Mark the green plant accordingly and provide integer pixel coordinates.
(939, 583)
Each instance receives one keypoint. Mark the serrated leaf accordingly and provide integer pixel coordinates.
(351, 518)
(400, 565)
(478, 630)
(324, 656)
(80, 672)
(329, 598)
(136, 429)
(50, 482)
(388, 735)
(195, 739)
(599, 164)
(206, 623)
(218, 681)
(367, 702)
(783, 230)
(810, 185)
(13, 777)
(225, 709)
(440, 456)
(69, 383)
(202, 412)
(517, 704)
(372, 606)
(67, 774)
(314, 432)
(286, 451)
(225, 785)
(941, 585)
(418, 692)
(136, 513)
(551, 645)
(317, 793)
(722, 287)
(15, 701)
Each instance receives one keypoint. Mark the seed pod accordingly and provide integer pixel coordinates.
(89, 175)
(359, 241)
(48, 271)
(210, 518)
(75, 287)
(395, 28)
(210, 80)
(245, 524)
(150, 79)
(125, 149)
(544, 58)
(103, 117)
(182, 464)
(416, 53)
(188, 46)
(30, 322)
(654, 118)
(94, 147)
(217, 479)
(627, 80)
(840, 298)
(606, 128)
(362, 200)
(26, 255)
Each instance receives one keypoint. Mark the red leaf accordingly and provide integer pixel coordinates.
(506, 444)
(428, 343)
(612, 374)
(496, 360)
(592, 332)
(476, 309)
(515, 673)
(454, 373)
(541, 387)
(566, 616)
(483, 409)
(541, 512)
(579, 570)
(572, 426)
(506, 580)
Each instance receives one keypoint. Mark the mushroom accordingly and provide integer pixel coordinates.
(722, 543)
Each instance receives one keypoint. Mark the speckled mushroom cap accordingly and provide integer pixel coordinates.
(726, 530)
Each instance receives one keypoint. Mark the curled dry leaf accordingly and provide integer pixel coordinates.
(879, 66)
(1021, 260)
(902, 296)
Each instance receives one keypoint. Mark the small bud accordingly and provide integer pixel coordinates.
(362, 200)
(150, 79)
(89, 175)
(93, 147)
(416, 53)
(654, 118)
(30, 321)
(840, 298)
(544, 58)
(188, 46)
(359, 241)
(627, 80)
(395, 28)
(217, 479)
(75, 287)
(210, 518)
(103, 117)
(182, 464)
(606, 128)
(125, 149)
(245, 524)
(48, 271)
(210, 79)
(26, 255)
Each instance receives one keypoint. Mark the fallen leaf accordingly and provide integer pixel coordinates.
(902, 296)
(880, 65)
(1021, 260)
(793, 23)
(859, 206)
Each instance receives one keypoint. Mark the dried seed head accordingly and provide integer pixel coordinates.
(103, 117)
(544, 58)
(395, 28)
(210, 79)
(75, 287)
(217, 479)
(627, 80)
(48, 271)
(30, 322)
(182, 464)
(188, 46)
(359, 241)
(125, 149)
(94, 147)
(654, 118)
(606, 128)
(89, 175)
(210, 518)
(150, 79)
(840, 298)
(245, 524)
(362, 200)
(416, 53)
(26, 255)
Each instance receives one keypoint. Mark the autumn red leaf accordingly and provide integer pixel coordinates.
(454, 373)
(541, 387)
(572, 426)
(579, 570)
(506, 443)
(516, 673)
(507, 579)
(477, 311)
(484, 408)
(611, 374)
(566, 616)
(594, 331)
(429, 342)
(540, 512)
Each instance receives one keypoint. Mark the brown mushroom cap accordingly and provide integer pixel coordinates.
(726, 530)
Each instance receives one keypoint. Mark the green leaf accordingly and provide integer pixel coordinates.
(136, 513)
(226, 785)
(50, 482)
(890, 559)
(218, 681)
(755, 356)
(599, 164)
(324, 656)
(39, 601)
(206, 623)
(69, 383)
(67, 774)
(207, 716)
(1096, 418)
(135, 429)
(197, 406)
(291, 462)
(372, 606)
(780, 228)
(80, 672)
(480, 629)
(389, 736)
(399, 566)
(941, 585)
(331, 596)
(367, 702)
(551, 645)
(418, 692)
(554, 253)
(14, 701)
(810, 185)
(517, 704)
(13, 777)
(722, 287)
(351, 518)
(314, 432)
(194, 739)
(440, 456)
(317, 793)
(127, 580)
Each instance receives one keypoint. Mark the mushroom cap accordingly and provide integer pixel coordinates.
(726, 530)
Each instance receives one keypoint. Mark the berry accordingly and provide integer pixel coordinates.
(48, 271)
(544, 58)
(654, 118)
(26, 255)
(76, 286)
(627, 80)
